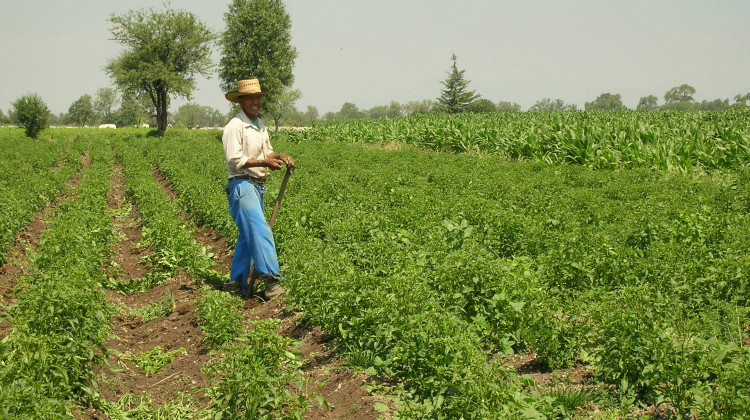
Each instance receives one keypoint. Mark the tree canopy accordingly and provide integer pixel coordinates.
(648, 103)
(682, 93)
(257, 44)
(548, 104)
(32, 114)
(81, 111)
(605, 101)
(105, 103)
(456, 95)
(164, 50)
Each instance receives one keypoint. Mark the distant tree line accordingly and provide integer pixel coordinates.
(163, 50)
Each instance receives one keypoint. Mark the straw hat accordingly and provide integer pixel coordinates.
(244, 88)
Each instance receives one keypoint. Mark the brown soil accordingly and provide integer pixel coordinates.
(343, 389)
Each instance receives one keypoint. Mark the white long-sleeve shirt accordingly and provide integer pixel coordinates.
(243, 141)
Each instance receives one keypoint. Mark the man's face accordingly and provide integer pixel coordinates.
(251, 104)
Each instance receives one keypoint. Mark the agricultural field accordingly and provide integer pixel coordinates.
(559, 265)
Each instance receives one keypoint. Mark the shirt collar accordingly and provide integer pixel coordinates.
(246, 120)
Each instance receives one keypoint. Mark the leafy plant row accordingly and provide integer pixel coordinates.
(256, 373)
(60, 318)
(32, 173)
(173, 242)
(673, 141)
(425, 265)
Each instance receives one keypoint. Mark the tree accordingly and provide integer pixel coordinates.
(740, 100)
(482, 106)
(456, 96)
(131, 112)
(3, 118)
(548, 104)
(105, 102)
(503, 106)
(312, 113)
(605, 101)
(419, 107)
(349, 111)
(648, 103)
(715, 105)
(282, 104)
(32, 114)
(163, 52)
(81, 111)
(682, 93)
(257, 44)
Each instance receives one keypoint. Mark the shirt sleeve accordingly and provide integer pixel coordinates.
(232, 141)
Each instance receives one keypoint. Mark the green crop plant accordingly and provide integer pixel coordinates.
(153, 360)
(219, 316)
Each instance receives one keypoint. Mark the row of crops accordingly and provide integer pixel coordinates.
(666, 140)
(432, 270)
(50, 361)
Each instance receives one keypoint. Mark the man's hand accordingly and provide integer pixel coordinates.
(286, 160)
(273, 162)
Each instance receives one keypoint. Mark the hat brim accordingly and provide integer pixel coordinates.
(235, 96)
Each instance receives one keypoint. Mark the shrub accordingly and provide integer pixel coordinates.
(32, 114)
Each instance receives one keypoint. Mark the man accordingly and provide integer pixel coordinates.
(249, 159)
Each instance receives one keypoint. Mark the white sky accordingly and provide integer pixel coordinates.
(370, 52)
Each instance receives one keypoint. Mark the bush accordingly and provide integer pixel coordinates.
(32, 114)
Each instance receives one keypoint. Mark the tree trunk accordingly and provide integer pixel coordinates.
(161, 108)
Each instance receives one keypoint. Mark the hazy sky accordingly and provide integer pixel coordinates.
(370, 52)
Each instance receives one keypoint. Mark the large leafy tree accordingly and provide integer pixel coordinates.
(81, 111)
(456, 95)
(682, 93)
(164, 50)
(32, 114)
(257, 44)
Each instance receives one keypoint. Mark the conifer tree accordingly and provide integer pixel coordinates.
(456, 95)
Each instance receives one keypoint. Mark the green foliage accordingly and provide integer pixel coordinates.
(257, 43)
(161, 308)
(163, 52)
(455, 97)
(671, 141)
(282, 104)
(481, 106)
(196, 116)
(32, 114)
(605, 102)
(648, 103)
(152, 361)
(130, 407)
(105, 102)
(81, 111)
(258, 377)
(220, 317)
(21, 192)
(60, 318)
(682, 93)
(548, 104)
(431, 276)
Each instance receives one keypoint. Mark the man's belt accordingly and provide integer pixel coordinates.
(247, 177)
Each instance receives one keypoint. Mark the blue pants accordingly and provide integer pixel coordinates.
(255, 244)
